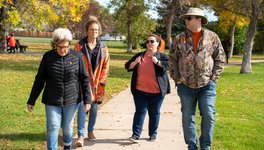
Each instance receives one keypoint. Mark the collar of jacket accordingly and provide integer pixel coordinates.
(156, 54)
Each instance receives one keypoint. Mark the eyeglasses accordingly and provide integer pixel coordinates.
(188, 18)
(62, 47)
(150, 41)
(93, 30)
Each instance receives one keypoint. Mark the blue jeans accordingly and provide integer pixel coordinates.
(56, 117)
(146, 102)
(82, 116)
(205, 97)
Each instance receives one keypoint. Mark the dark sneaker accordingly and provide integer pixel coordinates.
(133, 139)
(152, 138)
(67, 147)
(91, 136)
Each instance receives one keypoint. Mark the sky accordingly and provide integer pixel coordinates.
(209, 15)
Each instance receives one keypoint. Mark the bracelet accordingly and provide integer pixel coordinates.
(157, 62)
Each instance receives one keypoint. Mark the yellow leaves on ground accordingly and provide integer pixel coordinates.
(18, 57)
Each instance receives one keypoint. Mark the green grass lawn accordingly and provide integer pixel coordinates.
(239, 117)
(240, 105)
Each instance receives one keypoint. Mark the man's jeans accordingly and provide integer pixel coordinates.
(146, 102)
(82, 116)
(57, 116)
(205, 96)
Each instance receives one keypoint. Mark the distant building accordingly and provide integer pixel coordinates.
(109, 37)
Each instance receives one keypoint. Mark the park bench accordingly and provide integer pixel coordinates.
(22, 48)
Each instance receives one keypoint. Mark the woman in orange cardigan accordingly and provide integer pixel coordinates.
(96, 59)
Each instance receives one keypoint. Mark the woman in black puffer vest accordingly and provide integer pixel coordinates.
(62, 74)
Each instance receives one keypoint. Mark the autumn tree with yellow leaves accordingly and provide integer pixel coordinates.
(37, 14)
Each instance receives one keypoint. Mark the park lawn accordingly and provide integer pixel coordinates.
(43, 44)
(239, 110)
(239, 117)
(238, 58)
(23, 130)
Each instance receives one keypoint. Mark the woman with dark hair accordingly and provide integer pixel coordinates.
(149, 85)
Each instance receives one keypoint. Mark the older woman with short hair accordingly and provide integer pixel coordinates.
(61, 73)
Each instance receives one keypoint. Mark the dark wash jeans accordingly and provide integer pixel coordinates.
(205, 96)
(146, 102)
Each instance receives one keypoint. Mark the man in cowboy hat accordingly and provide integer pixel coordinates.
(196, 62)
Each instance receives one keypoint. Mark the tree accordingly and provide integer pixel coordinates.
(132, 21)
(254, 15)
(170, 10)
(37, 14)
(229, 20)
(249, 8)
(103, 15)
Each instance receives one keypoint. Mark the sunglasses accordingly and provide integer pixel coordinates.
(150, 41)
(188, 18)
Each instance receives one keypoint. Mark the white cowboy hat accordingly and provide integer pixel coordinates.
(196, 12)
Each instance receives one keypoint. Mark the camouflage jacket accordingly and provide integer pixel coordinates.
(196, 70)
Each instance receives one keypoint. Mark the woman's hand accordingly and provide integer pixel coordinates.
(134, 63)
(155, 60)
(86, 107)
(138, 60)
(30, 108)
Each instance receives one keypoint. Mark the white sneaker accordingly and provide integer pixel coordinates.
(79, 142)
(133, 139)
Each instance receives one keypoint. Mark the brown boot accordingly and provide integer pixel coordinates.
(79, 142)
(91, 136)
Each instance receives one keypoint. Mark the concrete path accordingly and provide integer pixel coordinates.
(114, 126)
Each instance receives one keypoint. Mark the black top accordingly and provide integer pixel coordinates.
(61, 78)
(161, 72)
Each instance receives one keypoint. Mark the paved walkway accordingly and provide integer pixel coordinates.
(114, 125)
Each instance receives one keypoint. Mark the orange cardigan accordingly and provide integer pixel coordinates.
(98, 77)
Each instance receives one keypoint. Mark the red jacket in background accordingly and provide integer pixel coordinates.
(12, 41)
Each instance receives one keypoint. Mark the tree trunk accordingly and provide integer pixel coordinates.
(169, 40)
(232, 41)
(2, 30)
(246, 62)
(129, 41)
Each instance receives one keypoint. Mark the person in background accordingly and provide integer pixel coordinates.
(196, 63)
(226, 45)
(12, 43)
(61, 73)
(96, 58)
(149, 85)
(161, 47)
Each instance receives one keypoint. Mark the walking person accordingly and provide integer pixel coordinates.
(226, 45)
(96, 58)
(161, 47)
(61, 73)
(196, 63)
(149, 84)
